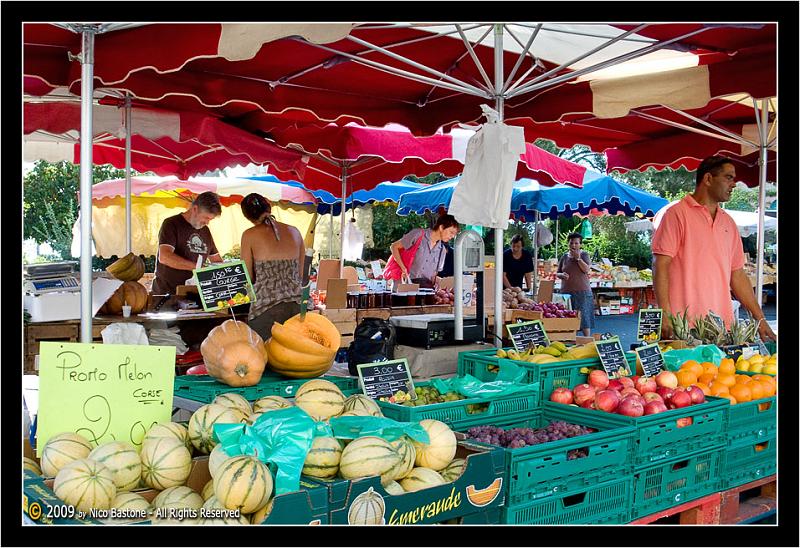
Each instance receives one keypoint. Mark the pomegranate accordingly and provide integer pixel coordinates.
(680, 399)
(652, 396)
(599, 379)
(645, 385)
(696, 393)
(582, 393)
(631, 407)
(654, 407)
(562, 395)
(626, 382)
(615, 384)
(607, 400)
(667, 379)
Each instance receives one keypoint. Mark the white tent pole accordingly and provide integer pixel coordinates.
(128, 131)
(762, 194)
(342, 215)
(556, 252)
(498, 233)
(330, 239)
(536, 253)
(87, 84)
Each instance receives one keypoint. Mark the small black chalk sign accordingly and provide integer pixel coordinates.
(525, 334)
(224, 281)
(612, 356)
(649, 326)
(651, 359)
(385, 379)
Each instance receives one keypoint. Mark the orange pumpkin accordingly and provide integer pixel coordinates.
(134, 293)
(234, 354)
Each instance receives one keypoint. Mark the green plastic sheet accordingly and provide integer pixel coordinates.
(471, 387)
(704, 353)
(281, 439)
(388, 429)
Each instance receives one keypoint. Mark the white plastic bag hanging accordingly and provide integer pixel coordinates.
(124, 333)
(353, 242)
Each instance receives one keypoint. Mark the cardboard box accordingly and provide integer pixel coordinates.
(339, 314)
(605, 311)
(345, 328)
(336, 295)
(561, 324)
(381, 313)
(328, 268)
(346, 340)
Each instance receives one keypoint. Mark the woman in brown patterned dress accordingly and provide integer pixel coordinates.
(274, 254)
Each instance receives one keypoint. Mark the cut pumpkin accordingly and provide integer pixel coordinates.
(303, 348)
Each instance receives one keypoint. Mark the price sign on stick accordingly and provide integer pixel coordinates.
(385, 379)
(649, 327)
(612, 356)
(651, 359)
(224, 285)
(526, 333)
(103, 392)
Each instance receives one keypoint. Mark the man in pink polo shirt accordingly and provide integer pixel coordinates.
(699, 258)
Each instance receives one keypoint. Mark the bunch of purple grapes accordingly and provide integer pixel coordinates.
(515, 438)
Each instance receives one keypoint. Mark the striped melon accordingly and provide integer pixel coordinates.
(243, 483)
(217, 514)
(208, 490)
(453, 471)
(361, 402)
(165, 463)
(62, 449)
(441, 448)
(176, 497)
(32, 465)
(394, 488)
(234, 401)
(368, 508)
(85, 484)
(201, 425)
(129, 502)
(421, 478)
(258, 517)
(169, 430)
(270, 403)
(322, 460)
(123, 460)
(369, 456)
(355, 413)
(404, 448)
(215, 458)
(319, 398)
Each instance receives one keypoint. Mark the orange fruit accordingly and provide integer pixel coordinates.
(710, 368)
(728, 366)
(717, 388)
(742, 379)
(693, 366)
(769, 388)
(741, 392)
(770, 379)
(729, 397)
(706, 378)
(757, 390)
(704, 387)
(726, 379)
(686, 377)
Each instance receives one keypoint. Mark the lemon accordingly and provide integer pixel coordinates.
(770, 369)
(756, 358)
(743, 365)
(756, 368)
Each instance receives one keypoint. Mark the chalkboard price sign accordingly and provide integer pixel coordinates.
(385, 379)
(649, 327)
(612, 356)
(651, 359)
(525, 334)
(224, 285)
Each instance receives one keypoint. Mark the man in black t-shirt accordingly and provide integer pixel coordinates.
(182, 239)
(517, 264)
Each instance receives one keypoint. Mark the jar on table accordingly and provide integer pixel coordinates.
(363, 300)
(352, 299)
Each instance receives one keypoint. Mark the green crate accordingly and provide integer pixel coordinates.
(307, 506)
(671, 434)
(540, 471)
(680, 480)
(605, 503)
(487, 517)
(204, 388)
(549, 375)
(771, 346)
(750, 462)
(455, 415)
(751, 421)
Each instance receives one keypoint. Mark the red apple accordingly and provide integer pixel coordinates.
(665, 393)
(680, 399)
(630, 407)
(654, 407)
(615, 384)
(607, 400)
(588, 404)
(628, 392)
(645, 385)
(696, 393)
(582, 393)
(652, 396)
(667, 379)
(634, 379)
(599, 379)
(685, 421)
(626, 382)
(562, 395)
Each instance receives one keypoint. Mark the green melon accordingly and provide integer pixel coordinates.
(201, 425)
(123, 460)
(85, 484)
(405, 448)
(243, 483)
(165, 463)
(369, 456)
(322, 460)
(169, 430)
(62, 449)
(270, 403)
(421, 478)
(362, 402)
(319, 398)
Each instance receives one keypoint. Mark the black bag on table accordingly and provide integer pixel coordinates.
(373, 341)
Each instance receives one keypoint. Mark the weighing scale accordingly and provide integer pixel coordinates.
(427, 330)
(52, 292)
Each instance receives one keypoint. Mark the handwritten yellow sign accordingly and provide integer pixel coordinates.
(104, 392)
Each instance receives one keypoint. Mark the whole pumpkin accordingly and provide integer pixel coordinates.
(234, 354)
(134, 293)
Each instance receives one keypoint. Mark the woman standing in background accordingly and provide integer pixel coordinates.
(573, 271)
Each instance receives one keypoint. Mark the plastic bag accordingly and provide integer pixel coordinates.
(281, 439)
(471, 387)
(705, 353)
(124, 333)
(388, 429)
